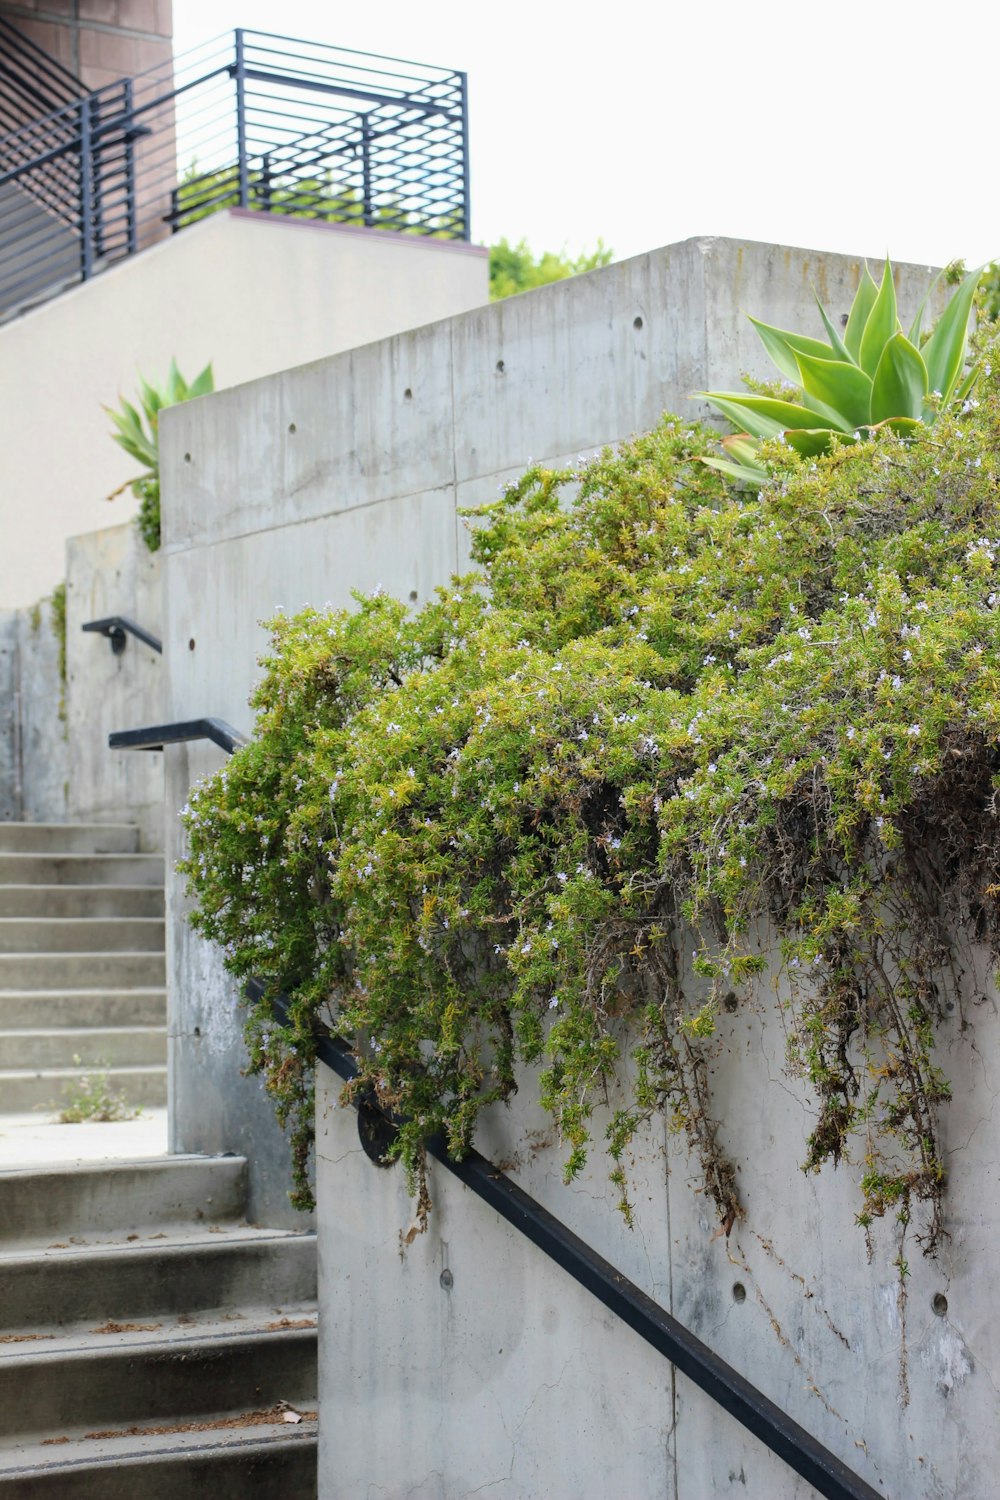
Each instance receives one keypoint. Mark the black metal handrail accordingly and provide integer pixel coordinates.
(117, 628)
(155, 736)
(703, 1367)
(256, 122)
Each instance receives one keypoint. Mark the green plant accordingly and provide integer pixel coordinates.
(514, 268)
(137, 431)
(92, 1098)
(672, 739)
(874, 376)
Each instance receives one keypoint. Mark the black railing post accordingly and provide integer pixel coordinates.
(86, 189)
(466, 191)
(264, 191)
(366, 172)
(130, 204)
(243, 166)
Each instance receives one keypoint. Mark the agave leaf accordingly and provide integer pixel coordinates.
(203, 384)
(783, 347)
(944, 351)
(825, 416)
(731, 406)
(904, 426)
(899, 388)
(743, 472)
(176, 386)
(864, 301)
(881, 325)
(741, 448)
(809, 442)
(769, 412)
(839, 347)
(840, 386)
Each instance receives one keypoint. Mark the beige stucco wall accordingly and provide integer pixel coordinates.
(253, 293)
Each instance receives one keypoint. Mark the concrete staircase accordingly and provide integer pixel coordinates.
(151, 1343)
(81, 965)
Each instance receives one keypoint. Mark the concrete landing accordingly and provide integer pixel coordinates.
(36, 1139)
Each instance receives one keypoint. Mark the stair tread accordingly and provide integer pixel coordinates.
(212, 1237)
(154, 1442)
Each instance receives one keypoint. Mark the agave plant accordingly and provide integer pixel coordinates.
(872, 376)
(141, 440)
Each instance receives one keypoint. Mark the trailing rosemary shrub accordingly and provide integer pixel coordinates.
(574, 806)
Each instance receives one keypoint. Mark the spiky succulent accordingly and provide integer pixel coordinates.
(872, 376)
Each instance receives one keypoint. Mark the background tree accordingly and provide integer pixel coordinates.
(513, 268)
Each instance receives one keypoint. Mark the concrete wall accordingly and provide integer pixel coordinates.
(34, 762)
(251, 292)
(348, 474)
(112, 572)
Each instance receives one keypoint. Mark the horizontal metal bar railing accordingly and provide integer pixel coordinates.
(255, 122)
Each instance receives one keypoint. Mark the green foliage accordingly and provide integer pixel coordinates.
(874, 376)
(137, 431)
(57, 610)
(322, 196)
(92, 1099)
(569, 812)
(513, 268)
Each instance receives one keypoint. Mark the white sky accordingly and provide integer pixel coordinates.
(857, 127)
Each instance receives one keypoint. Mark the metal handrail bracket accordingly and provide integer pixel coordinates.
(117, 629)
(155, 736)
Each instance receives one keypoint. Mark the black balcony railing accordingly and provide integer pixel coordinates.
(253, 121)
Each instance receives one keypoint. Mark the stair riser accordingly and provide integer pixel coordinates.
(275, 1471)
(113, 1388)
(59, 971)
(81, 935)
(43, 901)
(81, 869)
(28, 1011)
(51, 1092)
(68, 838)
(120, 1196)
(57, 1288)
(117, 1049)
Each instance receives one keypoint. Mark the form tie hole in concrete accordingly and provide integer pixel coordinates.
(730, 1002)
(407, 394)
(187, 458)
(637, 324)
(739, 1293)
(939, 1302)
(191, 644)
(447, 1280)
(501, 367)
(197, 1031)
(413, 596)
(292, 427)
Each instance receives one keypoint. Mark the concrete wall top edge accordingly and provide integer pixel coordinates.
(383, 236)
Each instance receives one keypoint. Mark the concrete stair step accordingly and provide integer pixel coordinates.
(37, 901)
(81, 935)
(264, 1461)
(87, 971)
(53, 1089)
(81, 869)
(69, 838)
(69, 1386)
(24, 1010)
(233, 1267)
(114, 1199)
(93, 1046)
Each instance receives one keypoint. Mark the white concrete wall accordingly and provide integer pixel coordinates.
(112, 572)
(253, 293)
(348, 474)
